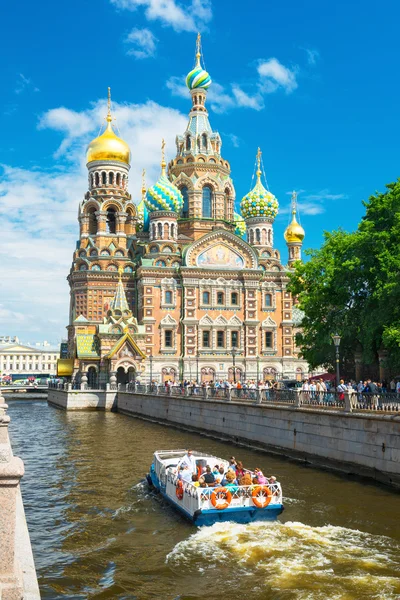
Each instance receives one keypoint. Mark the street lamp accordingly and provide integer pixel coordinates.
(233, 351)
(258, 368)
(336, 340)
(197, 368)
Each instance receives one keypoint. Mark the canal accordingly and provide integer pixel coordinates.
(98, 533)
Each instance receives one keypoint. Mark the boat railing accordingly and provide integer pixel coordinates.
(241, 495)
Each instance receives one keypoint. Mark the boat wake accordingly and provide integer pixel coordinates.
(293, 561)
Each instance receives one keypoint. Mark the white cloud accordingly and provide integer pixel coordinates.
(274, 75)
(24, 83)
(312, 204)
(181, 16)
(312, 56)
(256, 102)
(142, 43)
(40, 208)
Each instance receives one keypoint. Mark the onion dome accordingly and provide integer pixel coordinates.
(163, 195)
(198, 77)
(108, 146)
(240, 225)
(259, 202)
(294, 233)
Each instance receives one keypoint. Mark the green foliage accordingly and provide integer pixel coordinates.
(352, 285)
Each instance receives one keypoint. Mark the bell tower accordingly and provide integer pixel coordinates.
(199, 171)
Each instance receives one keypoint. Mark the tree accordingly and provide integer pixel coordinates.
(352, 285)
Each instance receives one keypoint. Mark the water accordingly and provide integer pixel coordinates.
(98, 533)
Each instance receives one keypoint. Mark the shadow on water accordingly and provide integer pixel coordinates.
(98, 532)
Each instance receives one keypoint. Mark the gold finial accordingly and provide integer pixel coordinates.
(143, 183)
(163, 163)
(198, 50)
(109, 117)
(258, 163)
(120, 271)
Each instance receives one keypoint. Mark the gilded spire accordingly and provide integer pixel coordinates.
(119, 302)
(163, 163)
(294, 202)
(143, 184)
(109, 117)
(198, 50)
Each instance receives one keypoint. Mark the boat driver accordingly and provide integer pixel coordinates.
(189, 461)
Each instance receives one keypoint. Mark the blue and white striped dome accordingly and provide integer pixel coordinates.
(163, 195)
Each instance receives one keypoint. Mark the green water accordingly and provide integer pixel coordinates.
(98, 533)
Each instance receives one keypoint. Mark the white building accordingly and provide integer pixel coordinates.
(21, 359)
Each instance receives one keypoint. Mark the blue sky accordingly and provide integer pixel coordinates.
(314, 84)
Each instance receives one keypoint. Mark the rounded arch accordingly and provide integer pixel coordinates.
(131, 210)
(112, 267)
(119, 252)
(118, 179)
(167, 249)
(169, 374)
(153, 249)
(96, 267)
(112, 203)
(97, 179)
(207, 374)
(103, 178)
(111, 177)
(92, 225)
(207, 201)
(92, 376)
(235, 374)
(111, 219)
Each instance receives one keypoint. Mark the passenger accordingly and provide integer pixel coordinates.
(274, 485)
(229, 479)
(232, 463)
(222, 471)
(195, 481)
(246, 479)
(215, 470)
(188, 460)
(239, 470)
(262, 480)
(186, 474)
(202, 483)
(209, 477)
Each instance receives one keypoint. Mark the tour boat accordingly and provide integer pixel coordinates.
(206, 506)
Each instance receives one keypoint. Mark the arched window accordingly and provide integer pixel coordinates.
(153, 229)
(111, 220)
(123, 181)
(188, 143)
(258, 236)
(172, 231)
(111, 178)
(166, 231)
(220, 298)
(185, 208)
(154, 249)
(92, 221)
(160, 263)
(206, 297)
(97, 179)
(91, 180)
(104, 178)
(159, 231)
(118, 179)
(207, 202)
(167, 249)
(204, 140)
(96, 268)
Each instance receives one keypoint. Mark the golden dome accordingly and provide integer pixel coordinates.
(108, 146)
(294, 233)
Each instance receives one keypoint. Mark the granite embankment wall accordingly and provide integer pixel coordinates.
(82, 399)
(18, 578)
(355, 443)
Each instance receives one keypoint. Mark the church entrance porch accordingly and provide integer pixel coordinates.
(125, 374)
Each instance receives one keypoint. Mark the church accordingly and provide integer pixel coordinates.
(178, 285)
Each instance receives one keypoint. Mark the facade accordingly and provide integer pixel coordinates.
(19, 360)
(170, 289)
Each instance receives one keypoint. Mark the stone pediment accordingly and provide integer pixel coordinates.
(206, 320)
(168, 320)
(269, 322)
(221, 249)
(235, 321)
(221, 320)
(125, 347)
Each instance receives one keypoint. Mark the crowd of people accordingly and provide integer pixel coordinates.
(368, 386)
(229, 476)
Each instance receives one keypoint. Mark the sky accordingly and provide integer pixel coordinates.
(314, 84)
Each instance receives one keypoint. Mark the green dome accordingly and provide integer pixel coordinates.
(259, 202)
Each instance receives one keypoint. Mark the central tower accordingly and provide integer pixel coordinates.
(198, 170)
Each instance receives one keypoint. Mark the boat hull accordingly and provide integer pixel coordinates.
(210, 516)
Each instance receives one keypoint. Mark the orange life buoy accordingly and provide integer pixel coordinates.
(221, 498)
(179, 490)
(261, 496)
